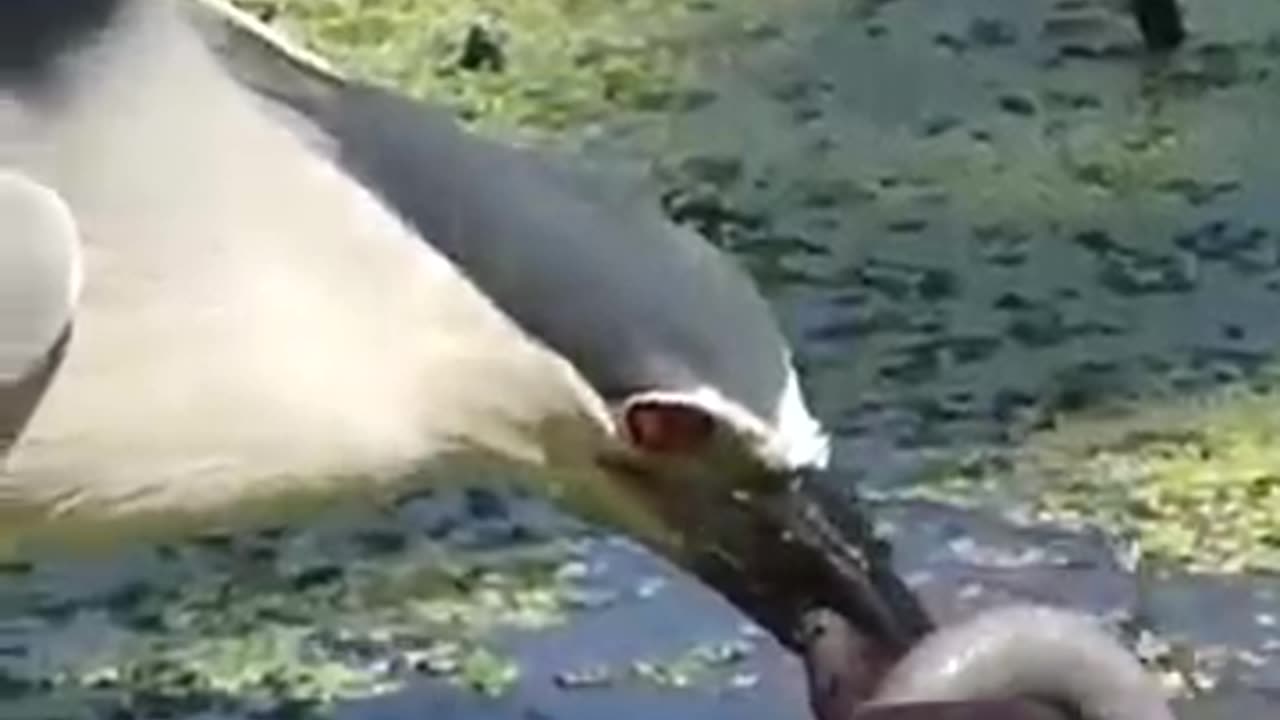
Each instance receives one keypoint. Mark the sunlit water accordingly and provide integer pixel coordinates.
(983, 224)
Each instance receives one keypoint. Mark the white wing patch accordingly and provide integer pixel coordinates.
(40, 273)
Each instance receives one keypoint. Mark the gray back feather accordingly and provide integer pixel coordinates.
(634, 301)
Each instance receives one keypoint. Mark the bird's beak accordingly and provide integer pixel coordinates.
(779, 554)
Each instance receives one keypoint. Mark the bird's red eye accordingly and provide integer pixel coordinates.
(668, 428)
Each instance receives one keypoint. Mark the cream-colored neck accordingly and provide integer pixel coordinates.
(253, 325)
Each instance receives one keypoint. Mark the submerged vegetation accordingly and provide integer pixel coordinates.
(286, 626)
(1190, 482)
(979, 256)
(1198, 486)
(542, 65)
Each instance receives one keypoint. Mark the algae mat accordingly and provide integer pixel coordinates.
(1029, 272)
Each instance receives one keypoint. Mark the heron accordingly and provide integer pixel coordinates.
(248, 330)
(222, 304)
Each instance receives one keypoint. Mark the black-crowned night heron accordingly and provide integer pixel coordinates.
(218, 306)
(261, 329)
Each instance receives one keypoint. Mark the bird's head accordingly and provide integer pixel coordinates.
(678, 457)
(714, 454)
(744, 502)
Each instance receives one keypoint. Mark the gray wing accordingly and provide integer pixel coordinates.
(636, 302)
(40, 270)
(578, 259)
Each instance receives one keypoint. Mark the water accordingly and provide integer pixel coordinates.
(1001, 238)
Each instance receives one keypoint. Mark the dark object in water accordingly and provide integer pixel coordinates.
(843, 667)
(1161, 23)
(1008, 663)
(482, 50)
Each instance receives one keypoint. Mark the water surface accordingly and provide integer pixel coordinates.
(1030, 273)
